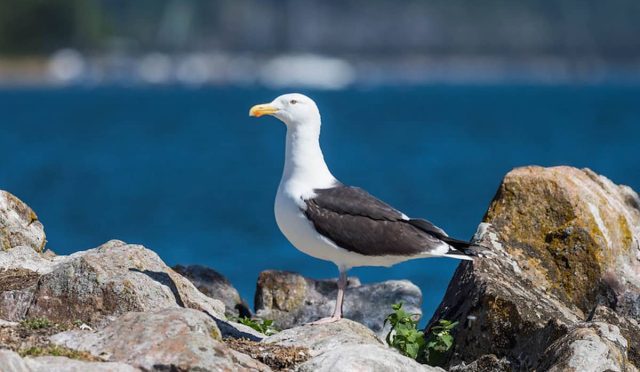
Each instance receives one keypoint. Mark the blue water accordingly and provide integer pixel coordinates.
(190, 175)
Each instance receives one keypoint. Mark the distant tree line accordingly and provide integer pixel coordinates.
(608, 29)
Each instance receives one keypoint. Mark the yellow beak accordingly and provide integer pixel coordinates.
(264, 109)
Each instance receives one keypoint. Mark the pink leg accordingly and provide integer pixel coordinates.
(337, 311)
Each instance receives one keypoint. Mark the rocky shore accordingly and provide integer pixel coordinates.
(559, 290)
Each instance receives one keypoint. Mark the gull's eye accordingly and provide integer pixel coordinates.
(293, 102)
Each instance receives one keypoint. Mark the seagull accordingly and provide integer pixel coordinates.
(331, 221)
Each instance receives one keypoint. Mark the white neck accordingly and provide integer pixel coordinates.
(304, 166)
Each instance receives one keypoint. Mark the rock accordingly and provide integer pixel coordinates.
(291, 299)
(275, 356)
(485, 363)
(11, 362)
(629, 329)
(19, 225)
(16, 292)
(562, 242)
(344, 346)
(215, 285)
(93, 285)
(24, 257)
(592, 346)
(168, 339)
(320, 338)
(20, 269)
(111, 280)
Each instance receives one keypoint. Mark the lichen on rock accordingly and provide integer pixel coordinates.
(19, 225)
(562, 242)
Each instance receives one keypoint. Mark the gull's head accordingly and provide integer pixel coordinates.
(292, 109)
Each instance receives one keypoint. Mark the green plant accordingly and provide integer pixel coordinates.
(439, 341)
(54, 350)
(404, 334)
(410, 341)
(264, 326)
(37, 323)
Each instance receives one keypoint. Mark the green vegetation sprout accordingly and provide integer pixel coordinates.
(405, 337)
(37, 323)
(439, 341)
(264, 326)
(404, 334)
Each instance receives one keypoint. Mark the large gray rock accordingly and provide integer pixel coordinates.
(291, 299)
(10, 361)
(345, 346)
(169, 339)
(215, 285)
(562, 241)
(19, 225)
(113, 279)
(95, 285)
(588, 347)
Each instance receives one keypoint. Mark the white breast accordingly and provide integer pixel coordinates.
(289, 211)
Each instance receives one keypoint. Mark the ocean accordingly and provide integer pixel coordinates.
(188, 174)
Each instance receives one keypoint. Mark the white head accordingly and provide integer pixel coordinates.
(293, 109)
(304, 166)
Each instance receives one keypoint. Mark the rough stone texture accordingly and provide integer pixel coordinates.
(19, 225)
(629, 329)
(24, 257)
(562, 242)
(93, 285)
(20, 269)
(592, 346)
(110, 280)
(169, 339)
(345, 346)
(10, 361)
(485, 363)
(16, 292)
(291, 299)
(215, 285)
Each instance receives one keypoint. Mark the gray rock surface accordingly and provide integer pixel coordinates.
(19, 225)
(169, 339)
(93, 285)
(24, 257)
(588, 347)
(291, 299)
(111, 280)
(562, 241)
(345, 346)
(11, 362)
(16, 292)
(629, 329)
(486, 363)
(215, 285)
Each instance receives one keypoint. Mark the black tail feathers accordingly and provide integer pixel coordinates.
(460, 248)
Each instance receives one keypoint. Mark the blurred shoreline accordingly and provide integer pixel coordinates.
(68, 67)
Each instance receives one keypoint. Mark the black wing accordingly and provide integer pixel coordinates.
(361, 223)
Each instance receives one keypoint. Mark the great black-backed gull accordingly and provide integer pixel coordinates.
(343, 224)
